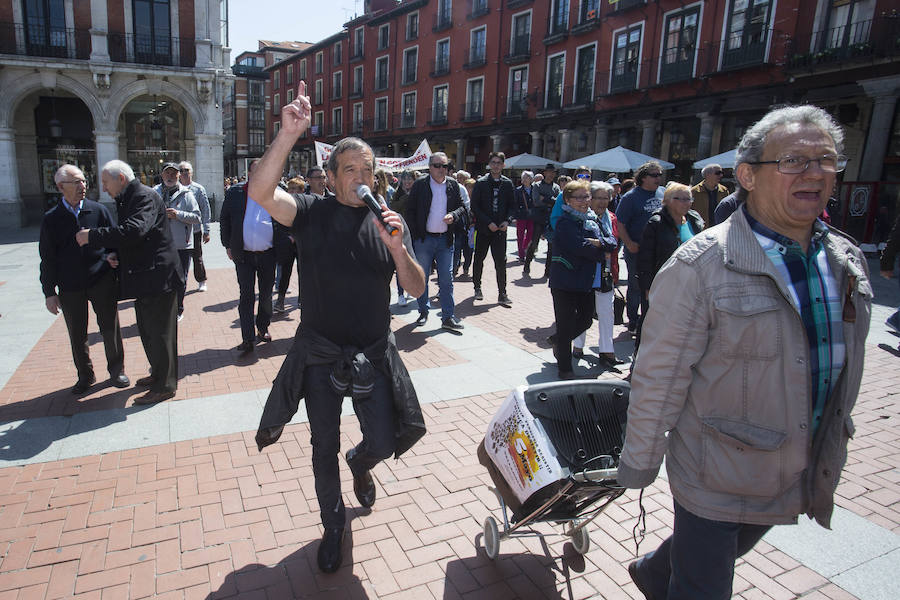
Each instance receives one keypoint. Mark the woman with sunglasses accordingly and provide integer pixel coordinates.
(579, 244)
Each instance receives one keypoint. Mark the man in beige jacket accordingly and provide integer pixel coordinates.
(750, 363)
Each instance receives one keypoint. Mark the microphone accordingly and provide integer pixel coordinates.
(365, 194)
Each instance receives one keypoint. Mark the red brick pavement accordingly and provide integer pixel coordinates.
(215, 518)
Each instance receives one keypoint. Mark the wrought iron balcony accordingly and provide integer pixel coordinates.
(472, 111)
(44, 41)
(874, 39)
(520, 49)
(442, 20)
(158, 50)
(475, 57)
(440, 66)
(405, 120)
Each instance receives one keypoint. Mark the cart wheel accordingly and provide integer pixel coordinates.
(581, 540)
(491, 538)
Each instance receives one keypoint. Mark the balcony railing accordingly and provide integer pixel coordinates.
(551, 101)
(746, 49)
(438, 116)
(475, 57)
(472, 111)
(336, 92)
(256, 124)
(556, 32)
(624, 75)
(677, 65)
(865, 40)
(478, 8)
(357, 55)
(516, 108)
(250, 71)
(408, 78)
(358, 127)
(357, 92)
(440, 66)
(39, 40)
(520, 49)
(626, 4)
(381, 123)
(335, 129)
(578, 97)
(405, 120)
(151, 50)
(442, 20)
(381, 83)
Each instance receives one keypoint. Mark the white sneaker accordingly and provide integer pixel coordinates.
(180, 317)
(401, 300)
(202, 286)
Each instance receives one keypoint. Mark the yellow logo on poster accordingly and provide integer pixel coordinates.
(521, 449)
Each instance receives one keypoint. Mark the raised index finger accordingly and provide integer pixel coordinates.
(301, 88)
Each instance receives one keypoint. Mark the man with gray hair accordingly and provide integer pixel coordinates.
(72, 277)
(201, 230)
(750, 363)
(149, 272)
(708, 193)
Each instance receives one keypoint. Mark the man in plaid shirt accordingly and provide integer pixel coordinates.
(750, 362)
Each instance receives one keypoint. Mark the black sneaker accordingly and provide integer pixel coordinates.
(423, 316)
(504, 300)
(329, 554)
(451, 325)
(279, 305)
(478, 294)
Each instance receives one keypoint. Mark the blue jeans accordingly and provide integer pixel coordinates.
(633, 294)
(697, 560)
(434, 248)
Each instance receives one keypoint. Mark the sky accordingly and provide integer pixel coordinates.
(285, 20)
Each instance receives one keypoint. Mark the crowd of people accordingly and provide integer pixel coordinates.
(749, 337)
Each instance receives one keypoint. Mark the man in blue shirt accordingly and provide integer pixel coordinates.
(247, 234)
(633, 213)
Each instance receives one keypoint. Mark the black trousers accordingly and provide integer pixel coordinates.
(539, 227)
(197, 253)
(287, 265)
(574, 312)
(158, 326)
(102, 296)
(496, 242)
(256, 267)
(185, 257)
(376, 420)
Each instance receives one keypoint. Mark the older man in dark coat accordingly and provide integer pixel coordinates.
(149, 272)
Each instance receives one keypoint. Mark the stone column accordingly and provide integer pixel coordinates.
(11, 208)
(536, 142)
(203, 17)
(564, 142)
(497, 141)
(704, 142)
(209, 167)
(460, 153)
(106, 144)
(884, 92)
(648, 135)
(601, 137)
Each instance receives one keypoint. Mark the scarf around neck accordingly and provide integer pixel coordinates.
(589, 219)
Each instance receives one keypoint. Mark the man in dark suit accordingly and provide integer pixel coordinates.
(493, 200)
(434, 204)
(71, 277)
(248, 235)
(149, 272)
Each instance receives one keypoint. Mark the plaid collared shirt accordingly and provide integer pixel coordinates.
(816, 295)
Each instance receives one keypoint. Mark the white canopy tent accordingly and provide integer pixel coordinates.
(529, 161)
(724, 160)
(615, 160)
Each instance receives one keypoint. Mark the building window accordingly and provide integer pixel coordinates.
(337, 85)
(337, 121)
(357, 81)
(256, 118)
(410, 65)
(319, 56)
(257, 142)
(474, 109)
(152, 30)
(412, 26)
(679, 45)
(626, 59)
(584, 74)
(384, 36)
(747, 33)
(556, 71)
(289, 75)
(290, 96)
(256, 92)
(337, 54)
(444, 17)
(520, 43)
(358, 118)
(317, 96)
(477, 47)
(317, 122)
(381, 114)
(590, 11)
(559, 17)
(276, 80)
(276, 127)
(442, 57)
(276, 104)
(479, 8)
(408, 110)
(358, 37)
(518, 91)
(439, 104)
(381, 73)
(302, 70)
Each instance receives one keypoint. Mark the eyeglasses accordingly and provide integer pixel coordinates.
(581, 198)
(794, 165)
(583, 176)
(440, 165)
(719, 173)
(184, 170)
(76, 182)
(654, 174)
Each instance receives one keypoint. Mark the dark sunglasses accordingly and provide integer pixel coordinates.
(441, 165)
(583, 176)
(717, 172)
(184, 170)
